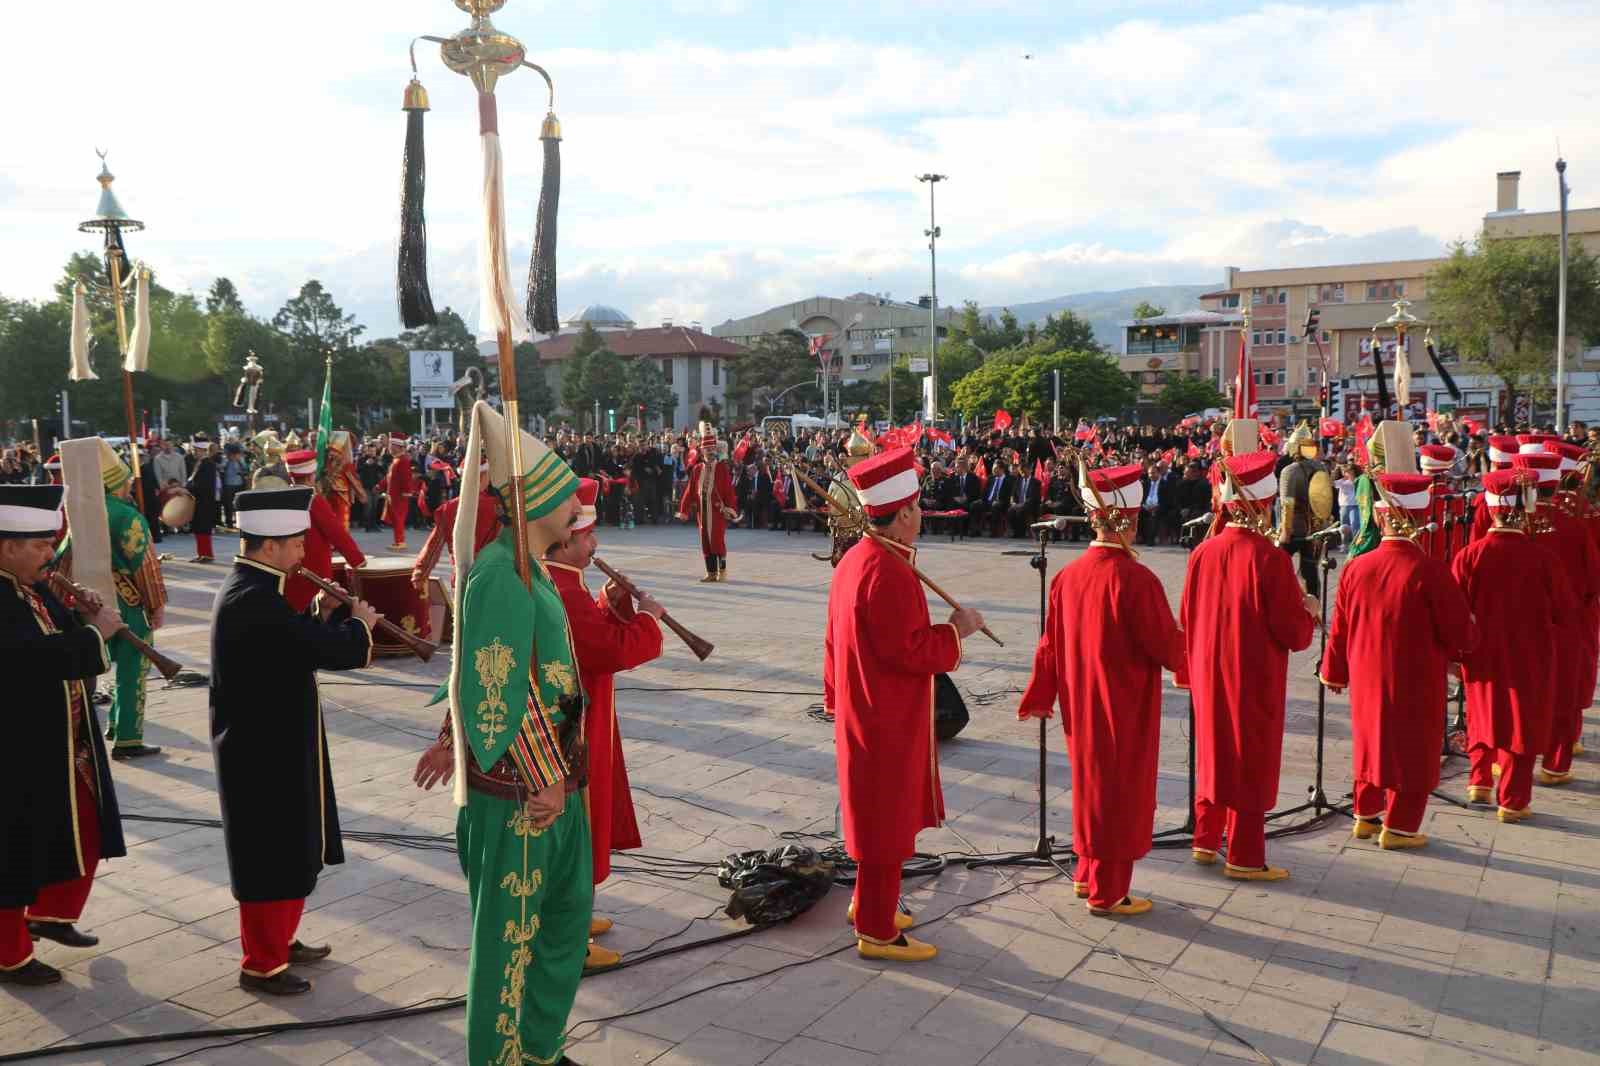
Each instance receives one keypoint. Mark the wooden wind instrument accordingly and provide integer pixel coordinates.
(701, 647)
(422, 649)
(880, 538)
(63, 587)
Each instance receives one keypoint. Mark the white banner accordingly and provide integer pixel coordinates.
(432, 370)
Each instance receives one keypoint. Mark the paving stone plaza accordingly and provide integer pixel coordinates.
(1482, 948)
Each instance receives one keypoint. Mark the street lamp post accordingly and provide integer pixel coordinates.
(932, 233)
(1561, 307)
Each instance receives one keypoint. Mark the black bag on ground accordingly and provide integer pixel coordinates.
(949, 709)
(774, 885)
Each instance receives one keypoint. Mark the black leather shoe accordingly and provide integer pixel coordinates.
(62, 933)
(301, 954)
(282, 983)
(134, 751)
(33, 974)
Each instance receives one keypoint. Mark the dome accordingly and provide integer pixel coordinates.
(600, 316)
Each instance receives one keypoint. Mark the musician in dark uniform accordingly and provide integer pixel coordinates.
(280, 821)
(58, 809)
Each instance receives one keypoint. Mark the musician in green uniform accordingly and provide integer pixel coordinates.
(514, 742)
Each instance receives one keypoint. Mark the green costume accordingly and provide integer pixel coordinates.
(531, 890)
(130, 546)
(1367, 535)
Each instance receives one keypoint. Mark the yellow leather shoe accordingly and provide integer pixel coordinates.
(1130, 906)
(902, 920)
(1394, 840)
(709, 579)
(1365, 827)
(1577, 747)
(1506, 814)
(905, 949)
(599, 926)
(1495, 769)
(1261, 873)
(1550, 777)
(600, 958)
(1479, 794)
(1080, 889)
(1203, 856)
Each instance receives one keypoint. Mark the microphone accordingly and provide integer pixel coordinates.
(1059, 523)
(1331, 531)
(1199, 520)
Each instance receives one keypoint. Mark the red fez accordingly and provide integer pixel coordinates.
(588, 493)
(886, 482)
(1436, 458)
(1544, 464)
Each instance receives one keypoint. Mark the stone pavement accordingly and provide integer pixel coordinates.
(1482, 948)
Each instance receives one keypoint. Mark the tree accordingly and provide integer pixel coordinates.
(773, 363)
(1091, 385)
(223, 299)
(984, 331)
(1069, 332)
(1495, 301)
(1145, 309)
(1183, 394)
(33, 362)
(645, 386)
(985, 388)
(313, 325)
(575, 393)
(605, 379)
(534, 390)
(957, 357)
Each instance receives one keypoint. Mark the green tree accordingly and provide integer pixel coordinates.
(645, 386)
(534, 390)
(1091, 385)
(314, 325)
(985, 331)
(1183, 394)
(223, 299)
(1495, 301)
(33, 362)
(773, 363)
(1069, 332)
(957, 357)
(605, 379)
(986, 388)
(1145, 309)
(575, 394)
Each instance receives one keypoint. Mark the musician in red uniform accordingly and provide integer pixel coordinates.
(1570, 536)
(1108, 633)
(708, 496)
(1513, 591)
(1445, 539)
(439, 538)
(398, 484)
(1243, 612)
(609, 635)
(1399, 621)
(1501, 451)
(880, 655)
(326, 535)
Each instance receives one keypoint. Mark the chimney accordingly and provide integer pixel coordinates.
(666, 323)
(925, 302)
(1506, 183)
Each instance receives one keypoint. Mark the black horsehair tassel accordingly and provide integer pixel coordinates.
(411, 269)
(1444, 375)
(542, 265)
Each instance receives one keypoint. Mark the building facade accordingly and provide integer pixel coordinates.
(697, 366)
(860, 336)
(1149, 349)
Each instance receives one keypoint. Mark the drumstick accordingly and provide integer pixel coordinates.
(423, 649)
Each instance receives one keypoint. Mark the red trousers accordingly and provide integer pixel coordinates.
(202, 546)
(877, 900)
(1563, 732)
(59, 902)
(1108, 881)
(1247, 833)
(398, 508)
(1515, 790)
(265, 932)
(1401, 811)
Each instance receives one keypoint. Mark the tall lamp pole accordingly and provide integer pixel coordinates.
(1561, 306)
(932, 233)
(112, 221)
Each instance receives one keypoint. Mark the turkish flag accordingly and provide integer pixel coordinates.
(1194, 451)
(1331, 427)
(1471, 426)
(1038, 470)
(1002, 419)
(1244, 385)
(982, 470)
(1169, 455)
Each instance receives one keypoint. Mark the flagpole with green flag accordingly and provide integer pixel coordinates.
(325, 419)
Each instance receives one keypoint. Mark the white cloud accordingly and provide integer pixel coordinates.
(708, 182)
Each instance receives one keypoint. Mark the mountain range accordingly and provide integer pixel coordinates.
(1103, 310)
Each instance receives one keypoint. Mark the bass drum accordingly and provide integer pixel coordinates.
(386, 584)
(176, 505)
(340, 571)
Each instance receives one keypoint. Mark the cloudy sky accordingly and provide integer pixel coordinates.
(722, 156)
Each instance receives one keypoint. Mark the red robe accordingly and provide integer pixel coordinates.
(1481, 522)
(879, 657)
(1243, 612)
(607, 641)
(1108, 633)
(1400, 619)
(1511, 588)
(713, 526)
(441, 536)
(1579, 643)
(1445, 511)
(326, 535)
(399, 482)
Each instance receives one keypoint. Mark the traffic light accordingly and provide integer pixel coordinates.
(1309, 330)
(1334, 408)
(416, 402)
